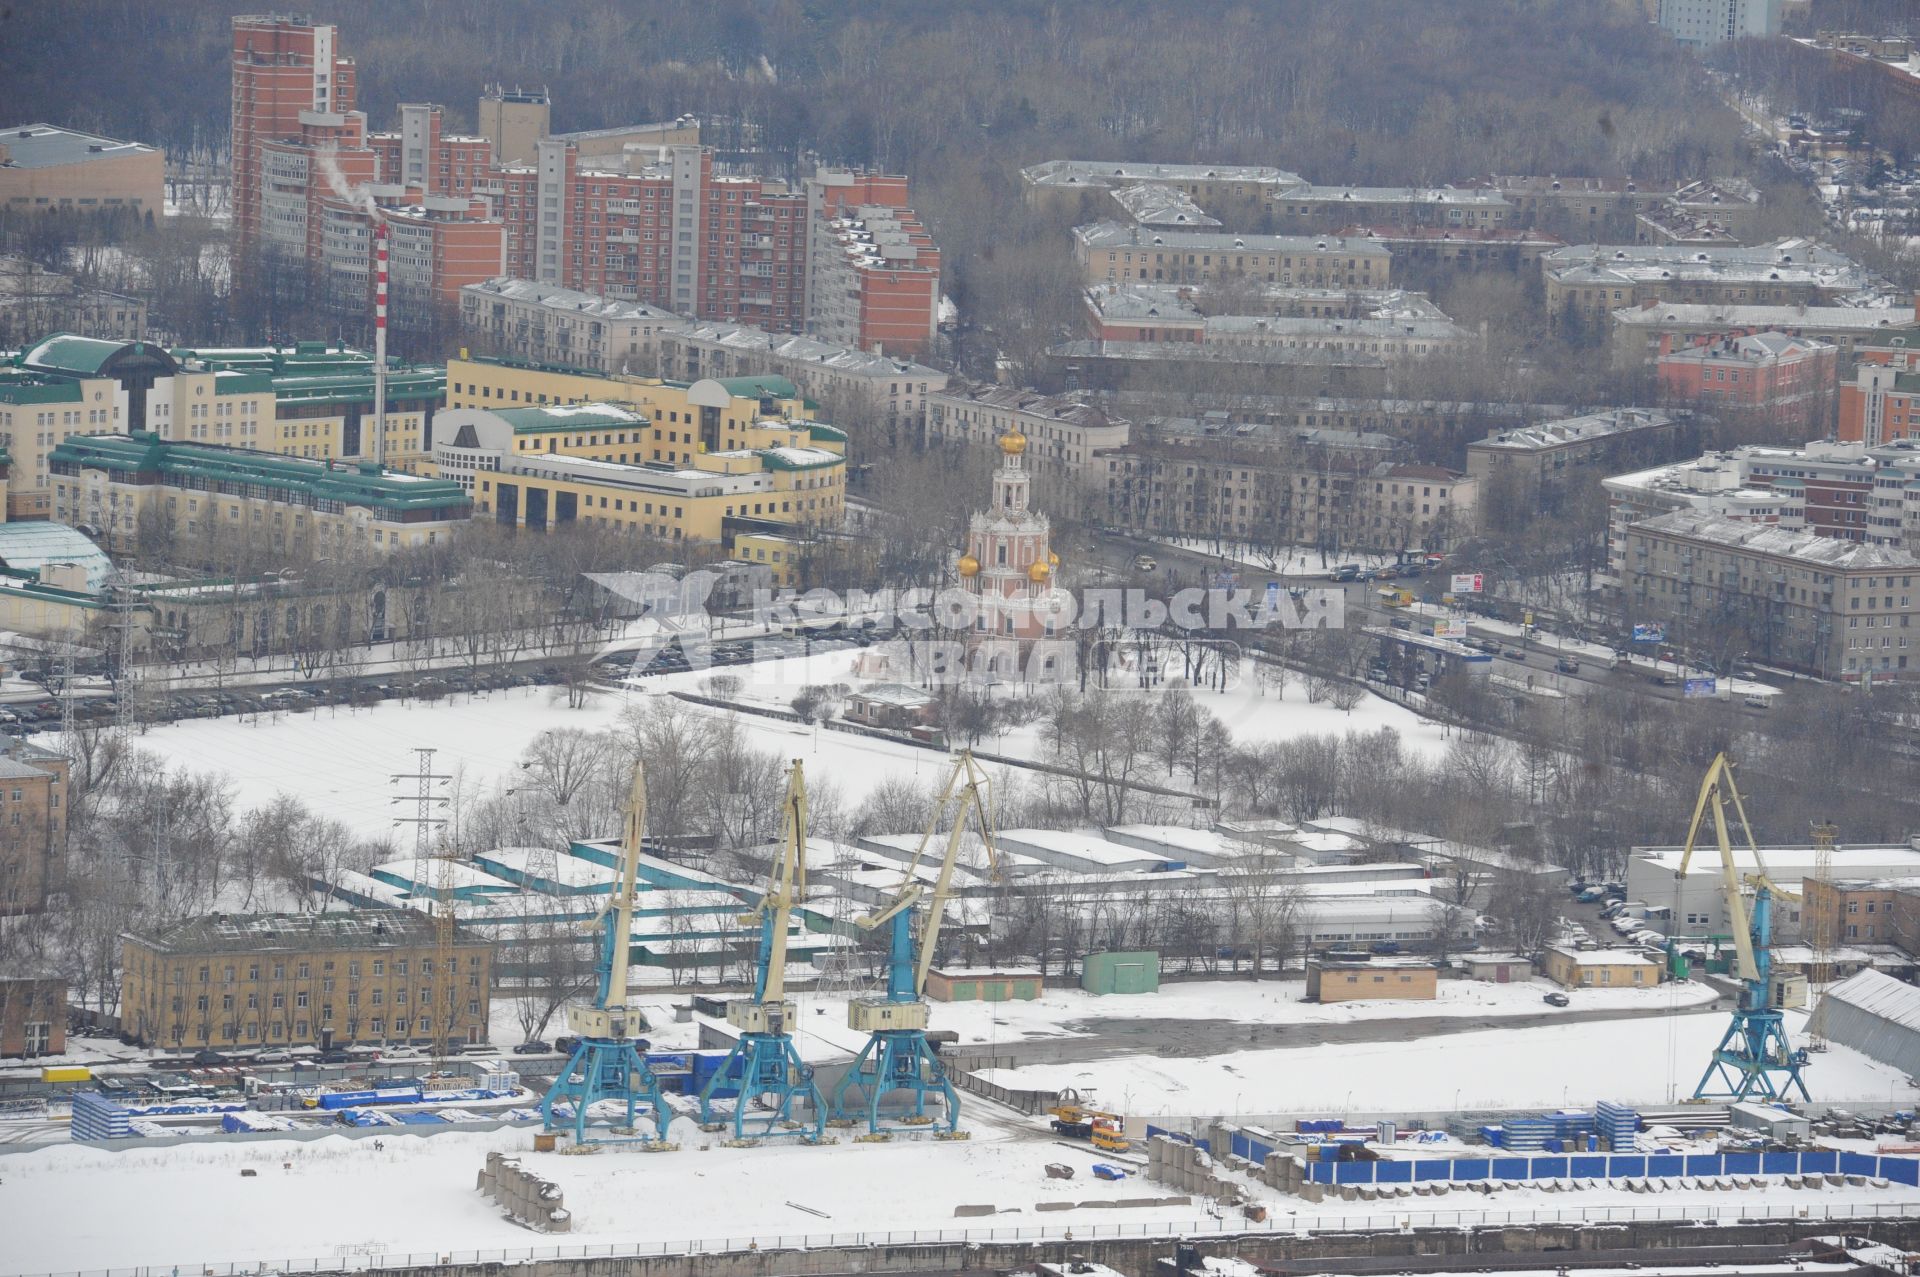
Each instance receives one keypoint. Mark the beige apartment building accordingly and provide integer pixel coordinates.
(247, 981)
(1112, 252)
(1061, 430)
(1839, 609)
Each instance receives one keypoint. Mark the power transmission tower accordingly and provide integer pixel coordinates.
(1823, 933)
(430, 804)
(120, 598)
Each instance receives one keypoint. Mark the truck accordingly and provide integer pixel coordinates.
(1076, 1120)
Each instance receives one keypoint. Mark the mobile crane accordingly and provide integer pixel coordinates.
(897, 1056)
(1077, 1120)
(1754, 1058)
(774, 1083)
(607, 1066)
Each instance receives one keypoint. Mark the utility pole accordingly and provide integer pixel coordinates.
(430, 803)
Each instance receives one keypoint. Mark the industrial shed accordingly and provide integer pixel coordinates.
(1874, 1014)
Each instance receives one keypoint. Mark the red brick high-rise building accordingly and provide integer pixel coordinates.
(285, 72)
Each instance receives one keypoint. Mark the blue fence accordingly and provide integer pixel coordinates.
(1900, 1170)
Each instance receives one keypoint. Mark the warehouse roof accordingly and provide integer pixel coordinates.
(1882, 995)
(242, 933)
(49, 146)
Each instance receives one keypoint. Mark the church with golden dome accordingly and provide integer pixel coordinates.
(1008, 565)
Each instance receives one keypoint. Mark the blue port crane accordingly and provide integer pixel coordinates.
(775, 1085)
(606, 1080)
(1754, 1059)
(897, 1056)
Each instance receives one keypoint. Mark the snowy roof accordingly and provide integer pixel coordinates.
(553, 866)
(1880, 995)
(427, 874)
(243, 933)
(1777, 542)
(1078, 845)
(1572, 430)
(1846, 861)
(1182, 838)
(1818, 318)
(604, 308)
(1106, 173)
(1603, 957)
(1121, 235)
(33, 545)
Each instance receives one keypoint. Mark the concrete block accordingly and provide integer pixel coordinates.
(1056, 1206)
(968, 1212)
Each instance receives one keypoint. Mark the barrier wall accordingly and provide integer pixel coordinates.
(1899, 1170)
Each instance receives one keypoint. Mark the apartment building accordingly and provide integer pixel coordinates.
(1700, 23)
(1303, 493)
(1388, 322)
(1449, 248)
(1540, 460)
(44, 168)
(114, 482)
(872, 270)
(598, 465)
(547, 324)
(1861, 911)
(1791, 382)
(34, 802)
(1730, 205)
(245, 981)
(1112, 252)
(1238, 193)
(1596, 209)
(33, 1014)
(283, 69)
(1592, 280)
(854, 387)
(1834, 608)
(1063, 432)
(1326, 208)
(1880, 404)
(1643, 331)
(1717, 484)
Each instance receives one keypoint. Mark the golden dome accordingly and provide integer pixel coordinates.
(1038, 572)
(1053, 560)
(969, 566)
(1013, 443)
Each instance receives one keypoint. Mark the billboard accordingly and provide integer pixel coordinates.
(1649, 633)
(1467, 582)
(1697, 687)
(1450, 629)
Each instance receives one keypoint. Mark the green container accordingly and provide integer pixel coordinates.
(1137, 972)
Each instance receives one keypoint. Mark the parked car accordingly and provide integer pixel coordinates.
(404, 1051)
(274, 1056)
(533, 1046)
(209, 1059)
(1514, 654)
(1556, 999)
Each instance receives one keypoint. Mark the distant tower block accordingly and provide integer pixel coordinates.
(514, 120)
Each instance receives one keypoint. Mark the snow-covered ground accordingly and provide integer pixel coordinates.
(339, 759)
(69, 1208)
(1295, 560)
(1657, 1059)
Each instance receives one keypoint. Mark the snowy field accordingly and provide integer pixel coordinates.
(1657, 1059)
(337, 1197)
(339, 759)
